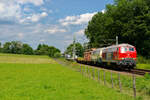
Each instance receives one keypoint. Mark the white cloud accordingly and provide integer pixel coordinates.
(103, 11)
(2, 7)
(44, 14)
(55, 29)
(20, 35)
(46, 10)
(76, 20)
(12, 10)
(9, 10)
(35, 2)
(37, 17)
(42, 40)
(67, 42)
(34, 17)
(80, 32)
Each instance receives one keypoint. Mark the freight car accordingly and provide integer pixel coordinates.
(96, 56)
(122, 55)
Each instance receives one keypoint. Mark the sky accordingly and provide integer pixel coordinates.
(52, 22)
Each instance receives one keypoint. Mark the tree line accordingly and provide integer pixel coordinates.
(127, 19)
(17, 47)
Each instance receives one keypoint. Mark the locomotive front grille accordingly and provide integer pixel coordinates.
(127, 62)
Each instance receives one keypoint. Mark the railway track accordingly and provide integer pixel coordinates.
(140, 71)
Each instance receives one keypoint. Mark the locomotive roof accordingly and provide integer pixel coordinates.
(113, 46)
(120, 45)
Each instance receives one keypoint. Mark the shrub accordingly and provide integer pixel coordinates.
(57, 55)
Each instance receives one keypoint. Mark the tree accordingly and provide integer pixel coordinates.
(78, 48)
(57, 55)
(127, 19)
(7, 47)
(16, 47)
(26, 49)
(43, 49)
(0, 47)
(39, 47)
(53, 51)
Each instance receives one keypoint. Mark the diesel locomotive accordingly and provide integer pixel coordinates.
(122, 55)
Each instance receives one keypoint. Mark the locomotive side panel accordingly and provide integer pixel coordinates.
(110, 55)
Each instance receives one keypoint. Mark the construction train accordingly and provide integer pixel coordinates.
(121, 56)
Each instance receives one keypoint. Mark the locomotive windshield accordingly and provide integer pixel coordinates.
(131, 49)
(124, 49)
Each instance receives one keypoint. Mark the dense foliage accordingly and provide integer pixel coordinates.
(16, 47)
(127, 19)
(43, 49)
(78, 49)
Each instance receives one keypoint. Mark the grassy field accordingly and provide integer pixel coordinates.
(142, 83)
(41, 78)
(24, 59)
(143, 63)
(143, 66)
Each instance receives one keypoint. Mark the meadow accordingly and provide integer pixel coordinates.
(143, 66)
(143, 63)
(41, 78)
(142, 82)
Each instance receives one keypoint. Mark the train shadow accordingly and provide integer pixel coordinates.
(108, 67)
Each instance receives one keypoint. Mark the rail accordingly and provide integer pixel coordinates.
(140, 71)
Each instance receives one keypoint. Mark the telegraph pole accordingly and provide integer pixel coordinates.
(74, 48)
(116, 40)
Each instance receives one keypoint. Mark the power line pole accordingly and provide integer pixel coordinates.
(116, 40)
(74, 48)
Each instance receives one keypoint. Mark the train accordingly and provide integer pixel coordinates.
(121, 56)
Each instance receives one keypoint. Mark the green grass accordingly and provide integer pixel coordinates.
(24, 59)
(143, 63)
(142, 83)
(142, 60)
(47, 80)
(143, 66)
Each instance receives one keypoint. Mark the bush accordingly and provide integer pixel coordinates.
(57, 55)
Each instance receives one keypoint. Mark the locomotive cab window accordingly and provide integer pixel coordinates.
(124, 49)
(117, 49)
(131, 49)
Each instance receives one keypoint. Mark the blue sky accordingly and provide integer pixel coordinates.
(52, 22)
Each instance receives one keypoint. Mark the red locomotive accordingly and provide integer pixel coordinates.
(122, 55)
